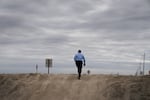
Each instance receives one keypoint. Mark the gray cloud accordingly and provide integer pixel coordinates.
(107, 31)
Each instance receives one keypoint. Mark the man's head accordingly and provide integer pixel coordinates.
(79, 51)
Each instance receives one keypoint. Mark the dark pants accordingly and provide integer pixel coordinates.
(79, 67)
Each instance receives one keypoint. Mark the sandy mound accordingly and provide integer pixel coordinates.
(67, 87)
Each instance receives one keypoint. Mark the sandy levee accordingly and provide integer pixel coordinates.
(67, 87)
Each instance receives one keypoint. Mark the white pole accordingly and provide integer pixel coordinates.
(143, 63)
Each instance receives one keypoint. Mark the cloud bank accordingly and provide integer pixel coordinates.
(107, 31)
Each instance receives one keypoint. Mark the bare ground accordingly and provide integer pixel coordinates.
(68, 87)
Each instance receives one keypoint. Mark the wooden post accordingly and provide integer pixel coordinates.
(48, 70)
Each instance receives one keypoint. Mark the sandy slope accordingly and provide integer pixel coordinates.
(67, 87)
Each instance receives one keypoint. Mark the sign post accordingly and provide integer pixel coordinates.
(48, 63)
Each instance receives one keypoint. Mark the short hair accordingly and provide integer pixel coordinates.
(79, 51)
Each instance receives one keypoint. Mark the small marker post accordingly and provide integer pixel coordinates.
(36, 68)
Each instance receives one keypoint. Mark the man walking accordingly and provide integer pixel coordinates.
(79, 61)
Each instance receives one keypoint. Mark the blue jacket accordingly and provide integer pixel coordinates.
(79, 57)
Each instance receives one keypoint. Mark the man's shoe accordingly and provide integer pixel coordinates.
(79, 78)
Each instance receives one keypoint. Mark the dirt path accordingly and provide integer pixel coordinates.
(68, 87)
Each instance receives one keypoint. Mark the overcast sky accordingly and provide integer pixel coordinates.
(113, 34)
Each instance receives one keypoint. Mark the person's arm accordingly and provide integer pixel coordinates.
(84, 61)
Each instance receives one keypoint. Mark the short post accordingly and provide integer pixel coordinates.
(48, 63)
(88, 71)
(36, 68)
